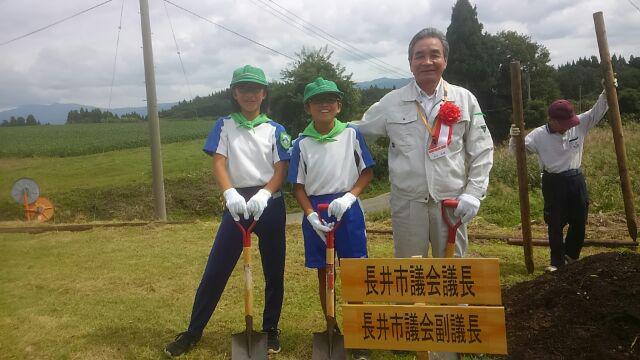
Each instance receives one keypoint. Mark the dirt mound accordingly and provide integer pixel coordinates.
(587, 310)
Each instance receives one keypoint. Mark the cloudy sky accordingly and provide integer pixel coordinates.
(74, 60)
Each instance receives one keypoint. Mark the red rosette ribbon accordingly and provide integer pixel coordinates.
(449, 113)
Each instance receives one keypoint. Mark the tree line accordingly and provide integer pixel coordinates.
(480, 62)
(30, 120)
(86, 116)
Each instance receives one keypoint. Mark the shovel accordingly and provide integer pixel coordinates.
(329, 344)
(249, 344)
(451, 238)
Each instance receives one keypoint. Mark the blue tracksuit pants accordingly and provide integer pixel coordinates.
(226, 250)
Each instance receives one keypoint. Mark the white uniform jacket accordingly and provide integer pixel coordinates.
(413, 175)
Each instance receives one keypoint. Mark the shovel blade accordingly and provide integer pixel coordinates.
(327, 347)
(249, 345)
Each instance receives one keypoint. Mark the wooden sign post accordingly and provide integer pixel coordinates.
(521, 164)
(478, 328)
(616, 125)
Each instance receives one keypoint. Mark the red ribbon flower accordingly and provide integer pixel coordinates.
(449, 113)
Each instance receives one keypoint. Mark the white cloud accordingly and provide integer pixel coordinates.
(72, 62)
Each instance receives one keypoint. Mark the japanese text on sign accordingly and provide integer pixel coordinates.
(450, 281)
(421, 328)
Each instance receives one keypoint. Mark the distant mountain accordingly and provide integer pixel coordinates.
(384, 83)
(57, 113)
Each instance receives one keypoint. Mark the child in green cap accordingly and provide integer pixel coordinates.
(330, 163)
(250, 157)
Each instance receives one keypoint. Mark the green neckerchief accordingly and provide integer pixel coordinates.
(311, 131)
(243, 122)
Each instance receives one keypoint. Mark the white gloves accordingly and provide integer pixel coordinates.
(514, 130)
(319, 226)
(467, 207)
(338, 206)
(236, 204)
(257, 203)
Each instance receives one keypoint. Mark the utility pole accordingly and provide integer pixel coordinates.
(152, 114)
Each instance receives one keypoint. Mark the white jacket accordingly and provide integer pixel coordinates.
(413, 175)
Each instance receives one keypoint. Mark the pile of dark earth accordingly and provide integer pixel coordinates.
(589, 309)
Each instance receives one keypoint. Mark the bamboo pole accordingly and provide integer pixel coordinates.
(616, 125)
(521, 161)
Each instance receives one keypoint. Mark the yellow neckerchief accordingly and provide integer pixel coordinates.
(423, 116)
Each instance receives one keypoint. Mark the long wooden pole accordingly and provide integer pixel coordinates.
(616, 125)
(521, 161)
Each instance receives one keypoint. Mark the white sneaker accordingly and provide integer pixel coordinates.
(550, 268)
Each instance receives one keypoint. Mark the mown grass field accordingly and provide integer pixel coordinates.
(122, 293)
(85, 139)
(106, 185)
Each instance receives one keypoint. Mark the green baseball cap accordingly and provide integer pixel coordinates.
(321, 86)
(248, 73)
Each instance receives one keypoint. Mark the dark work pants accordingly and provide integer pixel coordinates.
(566, 201)
(225, 253)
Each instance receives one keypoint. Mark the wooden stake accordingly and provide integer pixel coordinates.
(616, 125)
(521, 161)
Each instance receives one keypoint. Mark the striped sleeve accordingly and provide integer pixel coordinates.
(297, 171)
(362, 151)
(282, 143)
(216, 141)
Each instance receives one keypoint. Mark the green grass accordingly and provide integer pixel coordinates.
(116, 184)
(501, 206)
(123, 293)
(85, 139)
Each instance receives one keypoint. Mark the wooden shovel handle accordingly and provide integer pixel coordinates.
(330, 261)
(246, 259)
(451, 229)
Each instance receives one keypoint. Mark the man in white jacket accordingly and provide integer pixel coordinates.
(440, 148)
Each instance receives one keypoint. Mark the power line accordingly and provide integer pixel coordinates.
(393, 68)
(634, 5)
(300, 24)
(55, 23)
(175, 41)
(231, 31)
(115, 58)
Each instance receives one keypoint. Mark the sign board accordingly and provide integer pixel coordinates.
(465, 329)
(421, 280)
